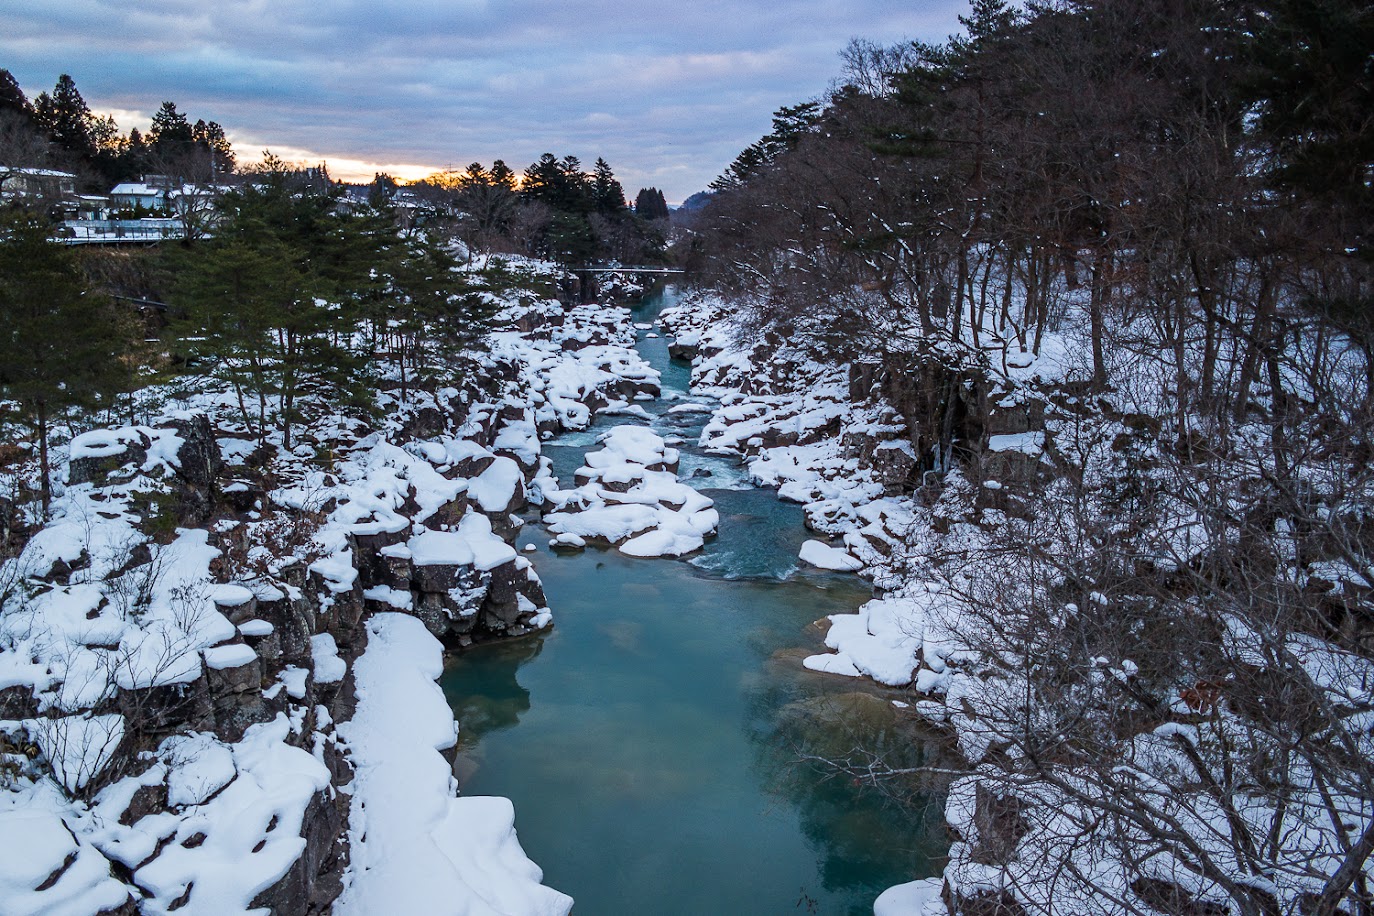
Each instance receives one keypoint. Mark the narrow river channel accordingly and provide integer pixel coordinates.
(650, 741)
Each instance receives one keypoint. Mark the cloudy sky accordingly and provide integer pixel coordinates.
(668, 92)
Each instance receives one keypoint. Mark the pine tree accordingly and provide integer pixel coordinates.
(272, 301)
(172, 147)
(559, 183)
(135, 156)
(170, 127)
(60, 345)
(12, 98)
(66, 117)
(502, 176)
(607, 194)
(650, 204)
(210, 140)
(1314, 83)
(476, 175)
(438, 318)
(790, 123)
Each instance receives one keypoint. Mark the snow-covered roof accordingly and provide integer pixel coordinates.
(136, 189)
(38, 173)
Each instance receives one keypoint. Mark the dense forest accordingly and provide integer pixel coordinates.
(1146, 227)
(58, 130)
(554, 209)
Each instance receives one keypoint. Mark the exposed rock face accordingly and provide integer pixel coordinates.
(999, 825)
(120, 458)
(315, 880)
(198, 467)
(462, 604)
(941, 395)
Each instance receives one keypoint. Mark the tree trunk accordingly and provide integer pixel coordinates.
(1351, 868)
(44, 474)
(1096, 308)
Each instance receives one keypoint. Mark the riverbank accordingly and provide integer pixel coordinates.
(187, 714)
(971, 488)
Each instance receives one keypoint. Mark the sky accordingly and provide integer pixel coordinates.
(667, 92)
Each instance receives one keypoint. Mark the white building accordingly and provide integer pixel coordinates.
(149, 196)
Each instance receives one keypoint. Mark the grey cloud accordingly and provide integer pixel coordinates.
(668, 93)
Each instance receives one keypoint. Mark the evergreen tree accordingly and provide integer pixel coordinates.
(543, 180)
(475, 176)
(60, 345)
(569, 239)
(135, 153)
(650, 204)
(382, 189)
(105, 134)
(489, 201)
(502, 176)
(559, 183)
(790, 123)
(23, 144)
(170, 127)
(172, 147)
(12, 98)
(438, 320)
(1313, 83)
(210, 140)
(271, 302)
(607, 194)
(66, 117)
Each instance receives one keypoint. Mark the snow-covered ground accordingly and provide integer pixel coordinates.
(212, 710)
(417, 848)
(1029, 842)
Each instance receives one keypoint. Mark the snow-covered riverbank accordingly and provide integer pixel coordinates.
(960, 620)
(193, 655)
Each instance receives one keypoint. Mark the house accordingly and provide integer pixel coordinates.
(36, 183)
(92, 206)
(150, 195)
(46, 185)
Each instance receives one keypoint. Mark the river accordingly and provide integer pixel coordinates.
(651, 741)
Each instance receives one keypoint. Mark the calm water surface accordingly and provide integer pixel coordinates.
(651, 741)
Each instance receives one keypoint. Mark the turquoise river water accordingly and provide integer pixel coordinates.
(652, 740)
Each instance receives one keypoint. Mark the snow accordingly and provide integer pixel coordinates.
(294, 679)
(227, 596)
(473, 544)
(416, 848)
(203, 766)
(324, 651)
(494, 489)
(256, 628)
(917, 898)
(400, 599)
(34, 845)
(235, 655)
(1032, 443)
(251, 829)
(632, 499)
(78, 748)
(824, 556)
(107, 624)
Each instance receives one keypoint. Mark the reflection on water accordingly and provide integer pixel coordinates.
(651, 741)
